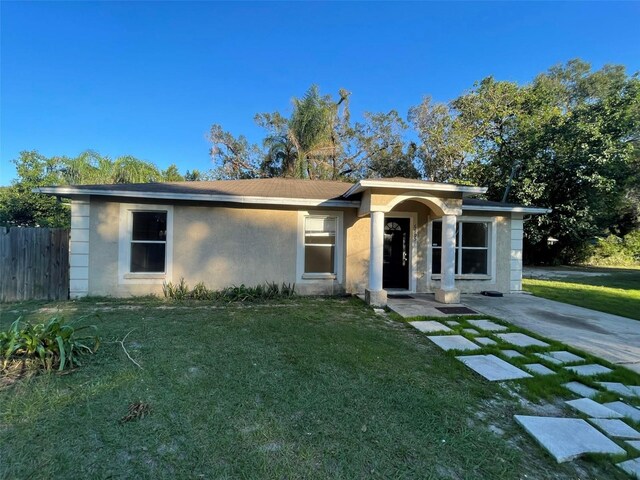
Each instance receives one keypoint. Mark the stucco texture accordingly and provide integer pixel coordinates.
(222, 246)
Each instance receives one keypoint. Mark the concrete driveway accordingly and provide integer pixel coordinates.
(614, 338)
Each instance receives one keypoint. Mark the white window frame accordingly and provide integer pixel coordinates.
(125, 276)
(491, 249)
(339, 248)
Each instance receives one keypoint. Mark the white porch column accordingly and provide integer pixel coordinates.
(448, 293)
(375, 295)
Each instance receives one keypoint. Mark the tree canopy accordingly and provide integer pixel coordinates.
(19, 206)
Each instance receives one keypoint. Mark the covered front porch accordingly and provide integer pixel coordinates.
(394, 250)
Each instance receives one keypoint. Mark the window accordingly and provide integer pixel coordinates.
(472, 248)
(320, 245)
(148, 242)
(145, 244)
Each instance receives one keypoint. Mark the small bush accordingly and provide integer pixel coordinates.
(51, 345)
(234, 293)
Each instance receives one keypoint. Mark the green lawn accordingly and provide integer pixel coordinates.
(306, 388)
(617, 292)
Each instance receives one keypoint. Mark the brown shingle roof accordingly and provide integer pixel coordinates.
(259, 187)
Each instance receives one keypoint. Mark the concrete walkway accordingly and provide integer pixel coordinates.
(614, 338)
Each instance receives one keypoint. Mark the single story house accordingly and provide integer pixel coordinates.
(327, 237)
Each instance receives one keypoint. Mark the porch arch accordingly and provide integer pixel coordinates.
(436, 204)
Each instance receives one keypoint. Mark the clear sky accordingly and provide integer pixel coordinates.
(148, 79)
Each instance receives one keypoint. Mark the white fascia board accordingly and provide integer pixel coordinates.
(201, 197)
(489, 208)
(435, 187)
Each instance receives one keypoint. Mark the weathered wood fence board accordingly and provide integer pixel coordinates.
(34, 264)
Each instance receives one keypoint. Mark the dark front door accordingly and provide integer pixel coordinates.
(395, 269)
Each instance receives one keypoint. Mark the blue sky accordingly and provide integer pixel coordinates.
(148, 79)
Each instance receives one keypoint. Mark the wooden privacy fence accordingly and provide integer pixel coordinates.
(34, 264)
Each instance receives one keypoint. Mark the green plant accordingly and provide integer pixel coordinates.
(288, 289)
(201, 292)
(54, 344)
(178, 291)
(234, 293)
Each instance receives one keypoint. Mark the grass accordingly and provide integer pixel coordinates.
(304, 388)
(617, 292)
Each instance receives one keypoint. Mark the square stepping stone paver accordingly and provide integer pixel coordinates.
(632, 467)
(567, 438)
(453, 342)
(581, 389)
(565, 357)
(485, 341)
(452, 323)
(492, 368)
(626, 410)
(521, 340)
(539, 369)
(471, 331)
(592, 409)
(634, 443)
(589, 370)
(512, 354)
(430, 326)
(618, 388)
(487, 325)
(559, 358)
(615, 428)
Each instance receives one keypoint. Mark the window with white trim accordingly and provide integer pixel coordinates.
(320, 244)
(148, 241)
(471, 245)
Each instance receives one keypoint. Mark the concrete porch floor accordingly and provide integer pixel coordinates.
(420, 305)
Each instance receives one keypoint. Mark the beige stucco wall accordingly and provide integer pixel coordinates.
(222, 246)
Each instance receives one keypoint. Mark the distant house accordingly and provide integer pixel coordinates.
(370, 237)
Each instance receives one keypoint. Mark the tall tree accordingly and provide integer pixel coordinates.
(377, 147)
(318, 141)
(234, 158)
(567, 141)
(446, 142)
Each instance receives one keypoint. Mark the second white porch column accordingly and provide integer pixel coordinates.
(375, 295)
(448, 293)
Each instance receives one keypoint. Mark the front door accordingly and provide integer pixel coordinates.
(395, 269)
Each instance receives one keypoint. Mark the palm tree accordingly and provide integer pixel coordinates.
(314, 130)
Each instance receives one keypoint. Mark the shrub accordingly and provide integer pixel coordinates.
(234, 293)
(616, 251)
(51, 345)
